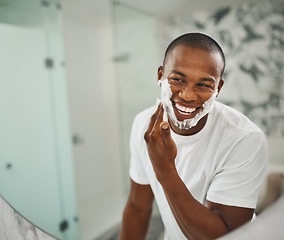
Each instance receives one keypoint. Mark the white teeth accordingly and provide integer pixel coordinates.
(184, 113)
(185, 109)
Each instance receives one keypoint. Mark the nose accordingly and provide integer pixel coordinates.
(187, 93)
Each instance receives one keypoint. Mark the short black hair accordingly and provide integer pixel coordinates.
(196, 40)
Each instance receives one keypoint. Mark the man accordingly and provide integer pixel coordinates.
(205, 164)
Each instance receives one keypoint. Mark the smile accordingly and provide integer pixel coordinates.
(184, 110)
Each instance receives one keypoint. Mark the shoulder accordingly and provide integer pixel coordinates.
(231, 118)
(240, 136)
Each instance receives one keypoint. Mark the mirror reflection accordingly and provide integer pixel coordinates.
(74, 74)
(37, 176)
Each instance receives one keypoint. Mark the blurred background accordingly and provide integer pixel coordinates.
(73, 75)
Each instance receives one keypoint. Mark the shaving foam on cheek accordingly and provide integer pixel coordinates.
(166, 94)
(206, 108)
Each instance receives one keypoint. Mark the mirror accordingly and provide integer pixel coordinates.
(112, 52)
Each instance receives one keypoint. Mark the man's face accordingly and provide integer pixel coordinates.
(194, 76)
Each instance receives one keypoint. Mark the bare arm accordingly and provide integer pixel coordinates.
(137, 212)
(195, 220)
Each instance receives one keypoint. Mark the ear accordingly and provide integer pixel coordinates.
(220, 85)
(160, 73)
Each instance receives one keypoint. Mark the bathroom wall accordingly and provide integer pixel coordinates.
(252, 37)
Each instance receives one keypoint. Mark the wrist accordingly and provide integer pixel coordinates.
(167, 177)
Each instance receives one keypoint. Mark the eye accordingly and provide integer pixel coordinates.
(176, 80)
(203, 85)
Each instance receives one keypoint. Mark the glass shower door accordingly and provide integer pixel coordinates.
(137, 65)
(35, 141)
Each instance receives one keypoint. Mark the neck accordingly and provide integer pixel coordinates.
(200, 125)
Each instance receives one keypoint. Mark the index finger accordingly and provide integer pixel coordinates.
(158, 120)
(152, 121)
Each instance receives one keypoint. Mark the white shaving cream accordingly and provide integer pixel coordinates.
(166, 94)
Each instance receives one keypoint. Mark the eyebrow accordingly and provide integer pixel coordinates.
(202, 79)
(208, 80)
(179, 73)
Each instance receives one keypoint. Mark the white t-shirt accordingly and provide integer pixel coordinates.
(224, 163)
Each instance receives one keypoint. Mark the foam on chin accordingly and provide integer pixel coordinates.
(166, 94)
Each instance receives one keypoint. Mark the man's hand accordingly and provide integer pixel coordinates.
(161, 147)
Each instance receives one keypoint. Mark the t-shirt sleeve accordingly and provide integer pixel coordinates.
(238, 181)
(137, 169)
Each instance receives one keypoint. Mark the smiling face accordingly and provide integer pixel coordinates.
(194, 76)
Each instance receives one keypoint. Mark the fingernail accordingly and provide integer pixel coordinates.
(165, 127)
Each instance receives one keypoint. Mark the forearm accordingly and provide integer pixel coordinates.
(195, 220)
(135, 223)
